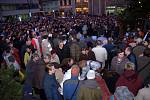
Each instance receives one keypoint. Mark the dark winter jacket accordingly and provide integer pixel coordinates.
(51, 87)
(70, 87)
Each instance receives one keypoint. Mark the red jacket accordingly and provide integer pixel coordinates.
(130, 79)
(105, 91)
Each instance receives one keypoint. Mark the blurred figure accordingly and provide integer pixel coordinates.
(131, 56)
(100, 53)
(130, 78)
(50, 84)
(54, 57)
(89, 89)
(118, 62)
(71, 86)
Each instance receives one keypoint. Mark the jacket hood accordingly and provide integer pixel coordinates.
(130, 75)
(90, 83)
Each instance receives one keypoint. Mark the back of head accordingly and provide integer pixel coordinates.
(99, 42)
(129, 66)
(147, 52)
(75, 70)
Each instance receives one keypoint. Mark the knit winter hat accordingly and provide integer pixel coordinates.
(91, 74)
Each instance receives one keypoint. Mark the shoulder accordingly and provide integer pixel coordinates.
(69, 81)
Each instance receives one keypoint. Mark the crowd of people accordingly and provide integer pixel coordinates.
(77, 58)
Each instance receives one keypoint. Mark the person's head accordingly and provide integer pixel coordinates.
(10, 44)
(61, 44)
(82, 63)
(128, 50)
(147, 52)
(28, 49)
(99, 42)
(70, 61)
(91, 74)
(53, 53)
(46, 58)
(83, 51)
(50, 69)
(129, 66)
(120, 53)
(35, 57)
(28, 41)
(75, 70)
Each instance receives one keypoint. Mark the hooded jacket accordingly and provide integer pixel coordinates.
(89, 90)
(130, 79)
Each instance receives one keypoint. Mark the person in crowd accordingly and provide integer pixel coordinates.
(66, 64)
(100, 53)
(35, 70)
(143, 94)
(59, 72)
(110, 47)
(75, 49)
(46, 46)
(23, 49)
(27, 55)
(89, 89)
(62, 51)
(71, 86)
(87, 65)
(50, 84)
(87, 54)
(144, 61)
(36, 44)
(15, 52)
(118, 62)
(131, 56)
(54, 57)
(130, 78)
(139, 48)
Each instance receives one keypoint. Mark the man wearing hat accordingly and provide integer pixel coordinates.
(89, 89)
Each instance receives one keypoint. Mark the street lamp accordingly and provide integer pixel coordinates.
(139, 2)
(53, 12)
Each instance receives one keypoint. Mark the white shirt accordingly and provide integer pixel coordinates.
(100, 54)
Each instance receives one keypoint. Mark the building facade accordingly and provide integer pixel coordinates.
(97, 7)
(50, 5)
(116, 6)
(67, 7)
(18, 7)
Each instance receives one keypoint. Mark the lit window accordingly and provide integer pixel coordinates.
(78, 1)
(85, 0)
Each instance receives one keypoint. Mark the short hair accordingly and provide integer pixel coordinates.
(147, 52)
(129, 66)
(49, 67)
(35, 55)
(129, 48)
(75, 70)
(99, 42)
(120, 51)
(45, 56)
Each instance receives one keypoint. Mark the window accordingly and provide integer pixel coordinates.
(85, 0)
(77, 1)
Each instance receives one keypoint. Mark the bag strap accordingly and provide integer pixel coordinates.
(143, 67)
(74, 91)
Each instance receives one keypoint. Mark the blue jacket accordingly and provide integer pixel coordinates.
(51, 87)
(69, 88)
(132, 58)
